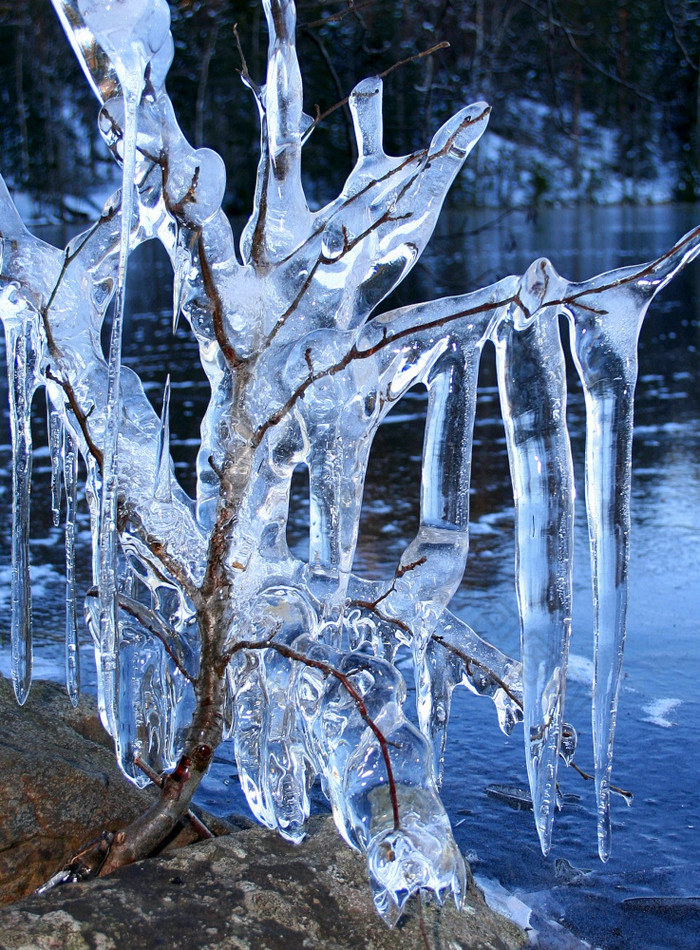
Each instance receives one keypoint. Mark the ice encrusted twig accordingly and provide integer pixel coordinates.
(205, 624)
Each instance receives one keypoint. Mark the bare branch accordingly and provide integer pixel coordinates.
(352, 8)
(569, 35)
(680, 42)
(320, 116)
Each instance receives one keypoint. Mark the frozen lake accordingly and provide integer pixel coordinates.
(648, 895)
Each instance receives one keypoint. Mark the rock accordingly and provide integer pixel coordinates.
(251, 891)
(59, 786)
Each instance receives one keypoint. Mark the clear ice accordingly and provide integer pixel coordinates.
(199, 603)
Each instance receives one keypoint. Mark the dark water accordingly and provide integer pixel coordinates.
(656, 844)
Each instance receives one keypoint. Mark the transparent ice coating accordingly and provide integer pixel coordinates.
(69, 461)
(606, 315)
(534, 412)
(382, 791)
(205, 626)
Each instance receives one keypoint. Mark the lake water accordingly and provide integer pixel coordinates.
(656, 842)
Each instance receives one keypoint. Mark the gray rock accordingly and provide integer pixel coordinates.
(60, 786)
(251, 891)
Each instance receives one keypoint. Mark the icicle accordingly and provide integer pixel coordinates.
(182, 263)
(142, 733)
(248, 734)
(70, 477)
(273, 766)
(162, 488)
(118, 39)
(287, 217)
(337, 463)
(437, 672)
(533, 403)
(287, 777)
(609, 423)
(605, 354)
(108, 534)
(20, 357)
(53, 421)
(606, 314)
(154, 699)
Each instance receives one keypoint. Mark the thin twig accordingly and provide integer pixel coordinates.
(421, 922)
(217, 312)
(336, 17)
(320, 116)
(320, 45)
(613, 788)
(399, 572)
(472, 661)
(243, 72)
(54, 349)
(80, 416)
(151, 622)
(568, 33)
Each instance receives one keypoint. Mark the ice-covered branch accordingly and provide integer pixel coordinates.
(205, 624)
(606, 315)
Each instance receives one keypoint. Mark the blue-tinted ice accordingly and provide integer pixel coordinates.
(301, 373)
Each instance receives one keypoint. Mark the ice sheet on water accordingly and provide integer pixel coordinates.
(580, 669)
(659, 712)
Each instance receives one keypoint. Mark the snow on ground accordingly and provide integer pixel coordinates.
(530, 161)
(524, 158)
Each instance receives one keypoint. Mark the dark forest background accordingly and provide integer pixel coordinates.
(628, 67)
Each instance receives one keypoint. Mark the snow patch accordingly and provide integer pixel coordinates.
(659, 710)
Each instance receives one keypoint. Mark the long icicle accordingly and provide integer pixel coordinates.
(70, 479)
(534, 412)
(19, 371)
(608, 387)
(605, 315)
(108, 534)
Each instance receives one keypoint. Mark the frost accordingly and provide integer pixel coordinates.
(205, 625)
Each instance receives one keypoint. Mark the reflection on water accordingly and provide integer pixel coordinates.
(656, 841)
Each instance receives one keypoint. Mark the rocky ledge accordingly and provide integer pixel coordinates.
(246, 889)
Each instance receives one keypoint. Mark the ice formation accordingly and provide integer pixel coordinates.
(205, 626)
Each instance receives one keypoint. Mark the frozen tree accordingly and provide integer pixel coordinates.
(205, 626)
